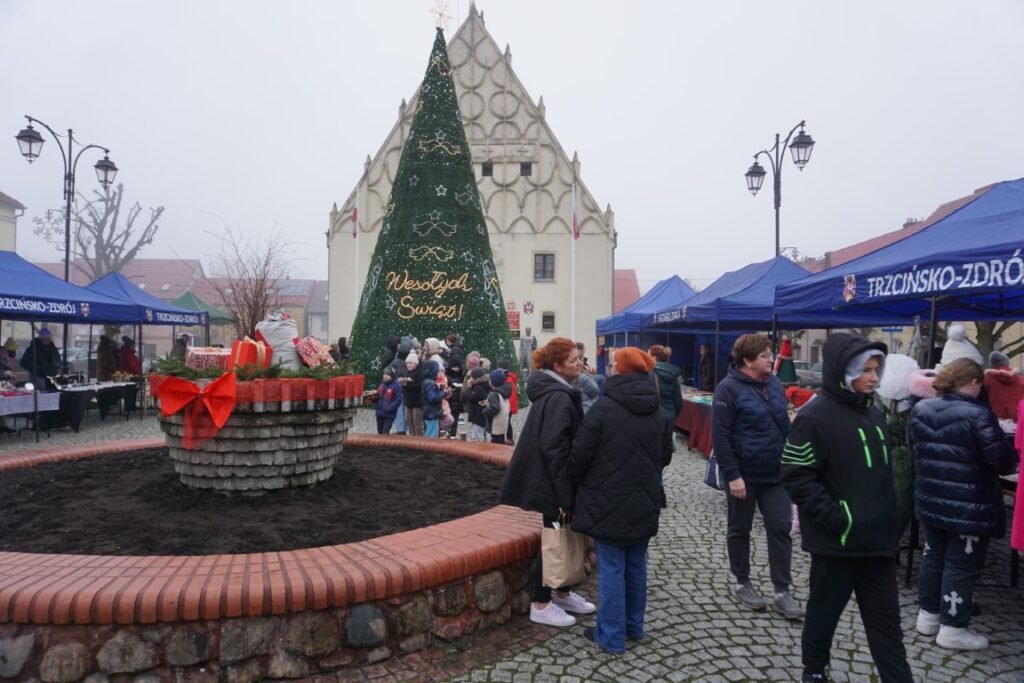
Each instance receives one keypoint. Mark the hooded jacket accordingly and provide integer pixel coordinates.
(617, 456)
(836, 465)
(498, 407)
(960, 451)
(476, 389)
(669, 391)
(431, 393)
(412, 391)
(589, 390)
(46, 358)
(538, 476)
(389, 398)
(749, 424)
(390, 351)
(1005, 389)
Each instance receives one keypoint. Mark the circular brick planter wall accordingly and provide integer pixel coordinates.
(66, 618)
(261, 451)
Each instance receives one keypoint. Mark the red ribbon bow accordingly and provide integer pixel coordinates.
(207, 410)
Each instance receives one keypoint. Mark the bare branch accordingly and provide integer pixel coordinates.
(102, 241)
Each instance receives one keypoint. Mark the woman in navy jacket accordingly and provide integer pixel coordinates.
(960, 451)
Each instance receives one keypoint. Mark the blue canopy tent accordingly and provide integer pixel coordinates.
(740, 300)
(29, 293)
(626, 326)
(150, 310)
(967, 266)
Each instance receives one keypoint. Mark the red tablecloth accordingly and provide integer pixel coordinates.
(695, 420)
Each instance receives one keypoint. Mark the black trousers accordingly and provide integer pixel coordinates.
(950, 565)
(777, 512)
(873, 580)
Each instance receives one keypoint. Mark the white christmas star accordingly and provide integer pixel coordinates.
(435, 215)
(441, 190)
(414, 180)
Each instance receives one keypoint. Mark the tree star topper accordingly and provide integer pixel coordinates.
(441, 16)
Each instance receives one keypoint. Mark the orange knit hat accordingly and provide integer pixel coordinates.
(632, 359)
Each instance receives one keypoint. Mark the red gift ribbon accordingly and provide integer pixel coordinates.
(206, 410)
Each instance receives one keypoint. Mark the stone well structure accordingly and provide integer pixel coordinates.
(276, 615)
(282, 433)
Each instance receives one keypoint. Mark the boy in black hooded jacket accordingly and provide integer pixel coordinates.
(836, 468)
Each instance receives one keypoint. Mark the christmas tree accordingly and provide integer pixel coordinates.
(432, 272)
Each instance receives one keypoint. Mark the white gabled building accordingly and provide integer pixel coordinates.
(526, 183)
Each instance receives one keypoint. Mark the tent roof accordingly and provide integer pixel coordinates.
(28, 292)
(970, 261)
(151, 310)
(192, 302)
(670, 292)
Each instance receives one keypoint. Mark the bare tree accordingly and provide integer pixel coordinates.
(247, 273)
(105, 239)
(990, 333)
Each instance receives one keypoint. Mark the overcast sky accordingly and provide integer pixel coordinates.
(262, 112)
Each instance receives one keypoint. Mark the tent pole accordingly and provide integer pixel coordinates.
(931, 333)
(717, 325)
(88, 355)
(206, 326)
(775, 334)
(35, 378)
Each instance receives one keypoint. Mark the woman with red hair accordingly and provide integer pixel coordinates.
(538, 477)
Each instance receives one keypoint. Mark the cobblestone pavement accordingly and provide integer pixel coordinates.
(696, 632)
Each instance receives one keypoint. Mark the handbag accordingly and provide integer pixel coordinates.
(713, 476)
(562, 553)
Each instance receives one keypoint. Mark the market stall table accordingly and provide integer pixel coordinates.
(22, 402)
(75, 400)
(695, 420)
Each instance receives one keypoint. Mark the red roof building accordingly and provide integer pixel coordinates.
(626, 289)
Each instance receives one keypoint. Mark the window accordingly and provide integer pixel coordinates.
(547, 321)
(526, 168)
(543, 267)
(487, 169)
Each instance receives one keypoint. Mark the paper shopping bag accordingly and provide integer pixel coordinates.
(562, 554)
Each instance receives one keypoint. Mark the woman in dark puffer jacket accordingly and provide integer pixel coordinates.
(617, 456)
(960, 451)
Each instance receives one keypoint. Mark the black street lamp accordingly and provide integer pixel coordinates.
(800, 147)
(31, 144)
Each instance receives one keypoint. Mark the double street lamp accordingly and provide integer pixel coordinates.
(31, 143)
(800, 147)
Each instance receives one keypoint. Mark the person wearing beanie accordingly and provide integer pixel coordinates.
(511, 379)
(617, 458)
(497, 406)
(959, 346)
(433, 397)
(750, 421)
(474, 397)
(389, 400)
(837, 469)
(1004, 386)
(41, 359)
(398, 371)
(412, 397)
(8, 355)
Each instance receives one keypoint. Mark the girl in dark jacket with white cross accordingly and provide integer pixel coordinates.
(960, 451)
(617, 457)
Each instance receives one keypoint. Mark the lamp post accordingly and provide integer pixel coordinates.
(31, 143)
(800, 147)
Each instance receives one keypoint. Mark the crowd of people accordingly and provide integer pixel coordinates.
(599, 470)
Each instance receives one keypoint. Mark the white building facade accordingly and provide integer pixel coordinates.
(528, 186)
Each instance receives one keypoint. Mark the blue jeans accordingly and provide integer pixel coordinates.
(400, 419)
(622, 583)
(431, 427)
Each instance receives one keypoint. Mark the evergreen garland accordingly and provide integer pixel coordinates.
(176, 367)
(432, 272)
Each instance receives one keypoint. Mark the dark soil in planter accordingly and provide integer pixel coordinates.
(133, 504)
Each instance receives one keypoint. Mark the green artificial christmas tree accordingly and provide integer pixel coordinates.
(432, 272)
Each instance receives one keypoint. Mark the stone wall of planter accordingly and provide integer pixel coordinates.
(243, 650)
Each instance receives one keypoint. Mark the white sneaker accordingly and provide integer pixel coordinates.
(552, 615)
(953, 638)
(927, 623)
(574, 602)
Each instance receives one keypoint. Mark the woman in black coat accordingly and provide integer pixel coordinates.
(538, 477)
(617, 457)
(960, 452)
